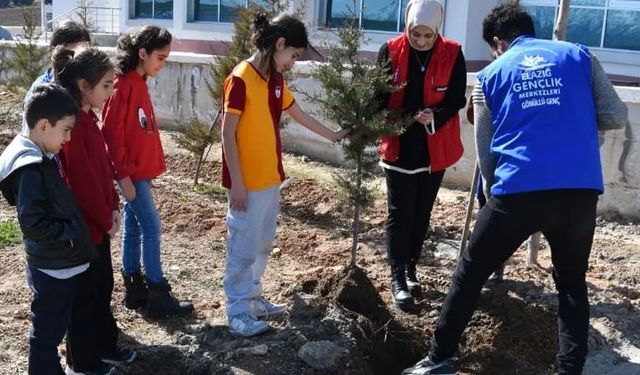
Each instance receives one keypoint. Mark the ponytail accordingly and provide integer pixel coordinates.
(69, 67)
(265, 35)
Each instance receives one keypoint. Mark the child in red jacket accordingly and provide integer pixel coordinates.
(89, 172)
(131, 132)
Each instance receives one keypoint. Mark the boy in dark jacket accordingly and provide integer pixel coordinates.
(55, 236)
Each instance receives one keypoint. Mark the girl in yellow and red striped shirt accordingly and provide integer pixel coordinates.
(255, 95)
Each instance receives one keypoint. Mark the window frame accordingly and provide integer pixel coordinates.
(191, 13)
(606, 7)
(133, 10)
(326, 17)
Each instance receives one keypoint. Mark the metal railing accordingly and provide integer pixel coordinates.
(97, 19)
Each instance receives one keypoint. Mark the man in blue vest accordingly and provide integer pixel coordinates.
(538, 109)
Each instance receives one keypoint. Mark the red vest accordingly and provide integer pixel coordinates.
(445, 146)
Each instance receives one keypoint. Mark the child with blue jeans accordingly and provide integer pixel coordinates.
(131, 132)
(254, 93)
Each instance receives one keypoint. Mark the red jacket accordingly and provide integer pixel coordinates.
(445, 146)
(89, 173)
(130, 130)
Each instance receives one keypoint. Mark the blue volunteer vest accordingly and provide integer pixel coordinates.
(544, 120)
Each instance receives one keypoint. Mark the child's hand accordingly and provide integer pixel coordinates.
(115, 216)
(128, 188)
(114, 229)
(238, 197)
(339, 135)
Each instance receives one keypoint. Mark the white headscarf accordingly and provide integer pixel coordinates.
(424, 12)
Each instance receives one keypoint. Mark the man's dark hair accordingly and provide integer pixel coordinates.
(507, 21)
(69, 32)
(51, 102)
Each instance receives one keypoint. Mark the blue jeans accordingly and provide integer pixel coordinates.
(50, 314)
(250, 236)
(141, 236)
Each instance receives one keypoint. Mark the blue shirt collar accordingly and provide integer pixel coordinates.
(521, 39)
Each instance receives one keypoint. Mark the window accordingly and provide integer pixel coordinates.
(595, 23)
(220, 10)
(375, 15)
(156, 9)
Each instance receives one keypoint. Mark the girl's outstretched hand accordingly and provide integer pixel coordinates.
(339, 135)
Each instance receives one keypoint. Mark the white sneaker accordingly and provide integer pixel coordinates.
(246, 325)
(262, 308)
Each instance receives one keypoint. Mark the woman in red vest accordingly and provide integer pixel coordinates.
(432, 71)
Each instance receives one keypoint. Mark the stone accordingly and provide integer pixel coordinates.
(261, 349)
(321, 355)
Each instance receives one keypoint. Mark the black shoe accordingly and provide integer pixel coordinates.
(399, 290)
(413, 284)
(497, 276)
(161, 302)
(135, 291)
(102, 369)
(428, 367)
(123, 356)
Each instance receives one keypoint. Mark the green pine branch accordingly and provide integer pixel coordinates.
(352, 96)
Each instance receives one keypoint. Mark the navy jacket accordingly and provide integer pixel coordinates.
(54, 232)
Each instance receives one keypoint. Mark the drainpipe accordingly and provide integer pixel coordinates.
(43, 18)
(444, 16)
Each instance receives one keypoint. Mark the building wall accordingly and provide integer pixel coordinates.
(463, 22)
(104, 19)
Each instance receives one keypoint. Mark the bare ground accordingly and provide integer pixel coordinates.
(513, 331)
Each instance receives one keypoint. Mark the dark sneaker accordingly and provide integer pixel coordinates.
(102, 369)
(123, 356)
(413, 285)
(399, 290)
(426, 366)
(498, 275)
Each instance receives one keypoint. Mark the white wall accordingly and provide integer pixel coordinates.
(62, 6)
(463, 23)
(103, 19)
(59, 7)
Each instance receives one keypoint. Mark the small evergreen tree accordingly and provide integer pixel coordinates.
(195, 139)
(352, 97)
(29, 59)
